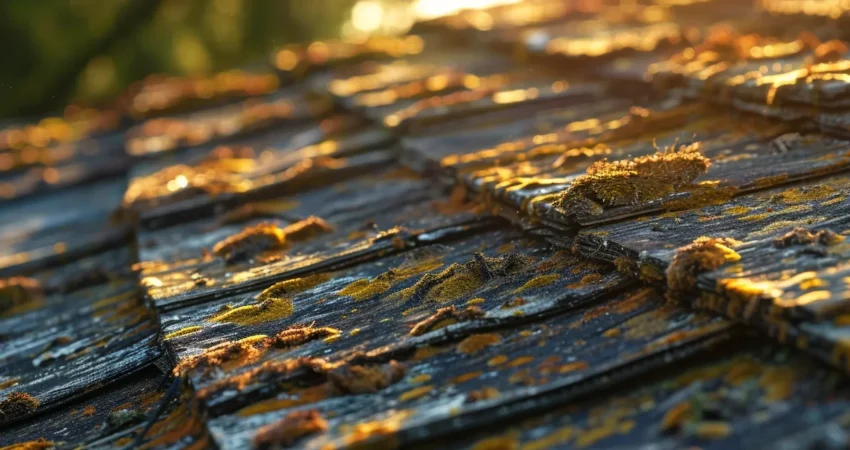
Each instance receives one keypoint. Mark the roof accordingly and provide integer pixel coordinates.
(530, 226)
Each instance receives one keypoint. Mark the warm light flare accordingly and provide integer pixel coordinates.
(433, 9)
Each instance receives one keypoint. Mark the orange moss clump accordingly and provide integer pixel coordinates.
(365, 379)
(702, 255)
(478, 342)
(265, 236)
(295, 285)
(486, 393)
(830, 51)
(296, 335)
(802, 236)
(180, 182)
(306, 229)
(250, 241)
(266, 311)
(17, 404)
(445, 317)
(40, 444)
(241, 351)
(290, 429)
(634, 181)
(18, 294)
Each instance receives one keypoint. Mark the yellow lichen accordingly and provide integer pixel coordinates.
(804, 194)
(9, 382)
(182, 332)
(293, 286)
(509, 441)
(497, 360)
(364, 289)
(538, 281)
(461, 279)
(416, 392)
(421, 378)
(477, 342)
(266, 311)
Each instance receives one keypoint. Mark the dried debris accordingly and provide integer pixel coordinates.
(802, 236)
(124, 418)
(18, 293)
(365, 379)
(634, 181)
(702, 255)
(16, 405)
(40, 444)
(296, 335)
(214, 357)
(445, 317)
(287, 431)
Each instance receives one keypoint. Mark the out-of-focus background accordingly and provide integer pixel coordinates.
(88, 51)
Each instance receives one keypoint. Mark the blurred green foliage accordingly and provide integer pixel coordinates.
(58, 51)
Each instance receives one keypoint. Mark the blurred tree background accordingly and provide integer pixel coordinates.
(57, 51)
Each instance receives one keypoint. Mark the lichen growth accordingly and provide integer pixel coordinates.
(459, 280)
(707, 193)
(293, 286)
(9, 382)
(416, 392)
(803, 194)
(364, 289)
(477, 342)
(296, 335)
(287, 431)
(266, 311)
(445, 317)
(702, 255)
(538, 282)
(182, 332)
(634, 181)
(19, 294)
(17, 405)
(587, 280)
